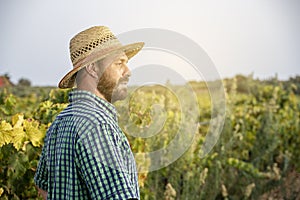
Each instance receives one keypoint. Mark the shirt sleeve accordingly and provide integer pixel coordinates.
(41, 175)
(105, 164)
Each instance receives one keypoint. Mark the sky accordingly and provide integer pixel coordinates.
(239, 36)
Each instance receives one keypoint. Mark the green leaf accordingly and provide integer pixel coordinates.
(34, 132)
(9, 104)
(19, 137)
(5, 133)
(17, 120)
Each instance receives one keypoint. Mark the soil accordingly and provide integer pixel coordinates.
(289, 190)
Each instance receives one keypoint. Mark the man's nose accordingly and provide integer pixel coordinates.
(127, 71)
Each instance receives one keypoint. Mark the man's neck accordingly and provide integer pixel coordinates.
(94, 91)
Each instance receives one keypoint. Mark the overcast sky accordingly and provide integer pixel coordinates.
(240, 36)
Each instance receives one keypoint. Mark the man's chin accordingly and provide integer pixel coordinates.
(121, 94)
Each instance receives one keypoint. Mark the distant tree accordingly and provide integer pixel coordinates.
(24, 82)
(6, 75)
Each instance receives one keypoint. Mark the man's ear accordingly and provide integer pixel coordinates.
(92, 70)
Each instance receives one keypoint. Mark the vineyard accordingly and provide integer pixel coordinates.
(257, 155)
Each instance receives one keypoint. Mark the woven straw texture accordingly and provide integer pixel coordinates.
(92, 45)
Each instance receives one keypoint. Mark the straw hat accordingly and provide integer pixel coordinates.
(92, 45)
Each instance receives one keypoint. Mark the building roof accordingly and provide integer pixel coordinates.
(5, 82)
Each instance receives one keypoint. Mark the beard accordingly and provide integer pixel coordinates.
(112, 90)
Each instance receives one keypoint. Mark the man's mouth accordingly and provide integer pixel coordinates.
(124, 81)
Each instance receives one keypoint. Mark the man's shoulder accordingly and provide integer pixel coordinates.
(84, 113)
(77, 124)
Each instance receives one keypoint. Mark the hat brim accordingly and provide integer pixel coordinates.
(130, 50)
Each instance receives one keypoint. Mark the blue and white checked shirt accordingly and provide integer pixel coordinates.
(86, 155)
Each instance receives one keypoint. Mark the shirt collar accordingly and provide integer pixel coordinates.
(83, 95)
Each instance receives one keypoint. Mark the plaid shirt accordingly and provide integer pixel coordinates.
(86, 155)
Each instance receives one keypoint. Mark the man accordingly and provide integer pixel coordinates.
(86, 155)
